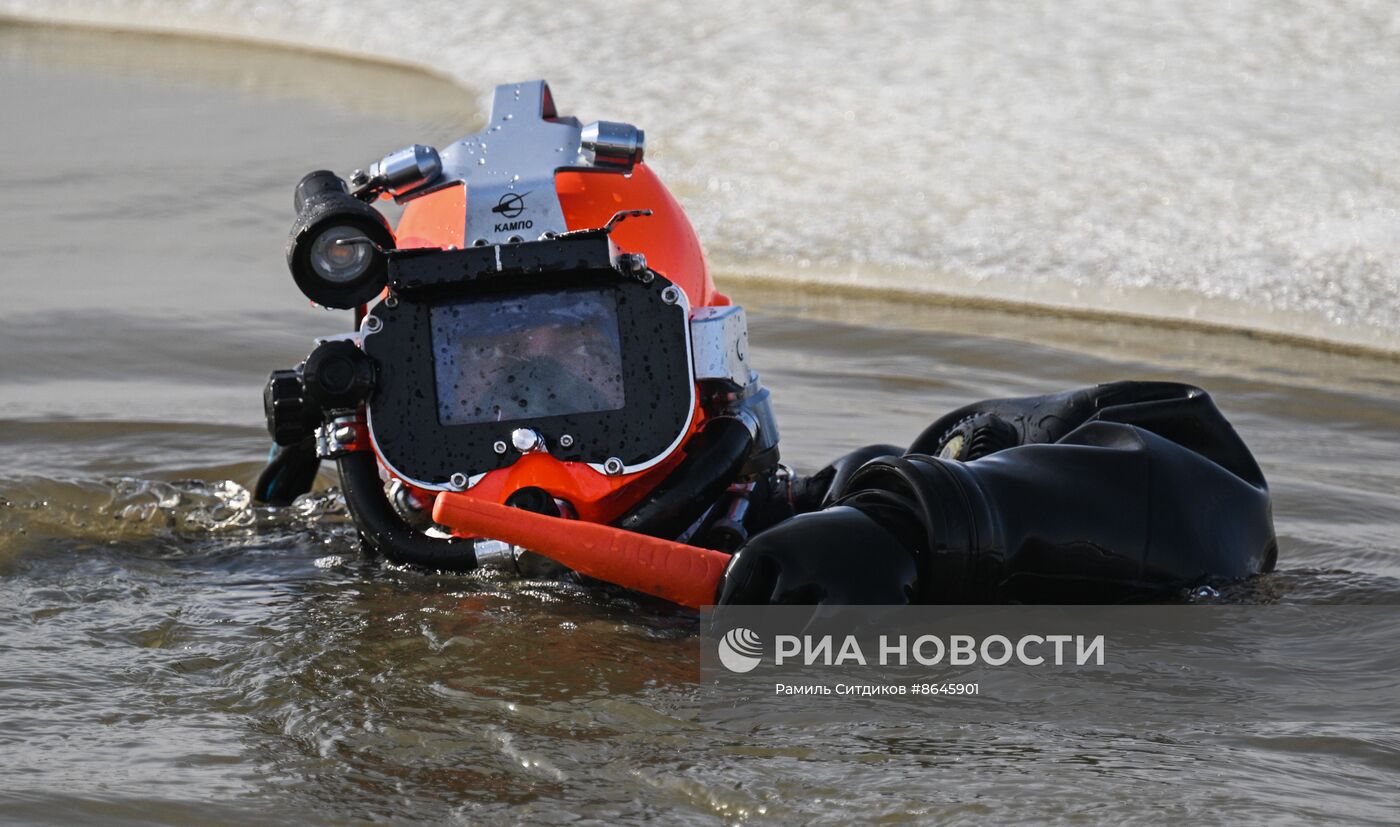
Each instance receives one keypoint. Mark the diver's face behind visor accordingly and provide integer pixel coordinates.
(523, 356)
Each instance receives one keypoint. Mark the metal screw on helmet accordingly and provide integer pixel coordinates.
(391, 301)
(526, 439)
(566, 441)
(671, 295)
(344, 435)
(458, 481)
(499, 446)
(613, 466)
(372, 324)
(635, 265)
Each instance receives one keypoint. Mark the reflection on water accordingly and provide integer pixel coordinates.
(1232, 162)
(172, 654)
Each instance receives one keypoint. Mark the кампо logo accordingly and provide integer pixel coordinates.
(740, 650)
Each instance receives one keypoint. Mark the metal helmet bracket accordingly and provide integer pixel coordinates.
(508, 168)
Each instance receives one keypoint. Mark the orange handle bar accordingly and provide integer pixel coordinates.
(688, 575)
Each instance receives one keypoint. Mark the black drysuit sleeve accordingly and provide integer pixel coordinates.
(1114, 493)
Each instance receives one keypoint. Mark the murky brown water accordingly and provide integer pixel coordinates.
(170, 654)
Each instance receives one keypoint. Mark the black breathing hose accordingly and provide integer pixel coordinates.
(290, 472)
(712, 462)
(385, 531)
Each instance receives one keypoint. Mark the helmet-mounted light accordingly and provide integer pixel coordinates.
(337, 250)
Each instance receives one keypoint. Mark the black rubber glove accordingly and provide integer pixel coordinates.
(838, 556)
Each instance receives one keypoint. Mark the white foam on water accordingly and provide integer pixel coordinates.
(1228, 162)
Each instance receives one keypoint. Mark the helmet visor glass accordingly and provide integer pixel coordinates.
(524, 356)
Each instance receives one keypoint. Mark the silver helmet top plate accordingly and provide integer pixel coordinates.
(508, 167)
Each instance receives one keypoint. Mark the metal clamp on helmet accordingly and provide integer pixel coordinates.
(337, 249)
(607, 143)
(403, 174)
